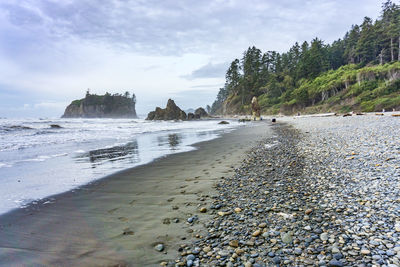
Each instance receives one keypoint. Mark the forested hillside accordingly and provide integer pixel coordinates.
(359, 72)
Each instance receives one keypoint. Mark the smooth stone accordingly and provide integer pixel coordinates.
(159, 247)
(287, 238)
(337, 256)
(256, 233)
(190, 257)
(365, 252)
(297, 251)
(276, 260)
(203, 209)
(335, 263)
(323, 236)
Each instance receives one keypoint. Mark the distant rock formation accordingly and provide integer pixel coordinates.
(102, 106)
(201, 112)
(171, 112)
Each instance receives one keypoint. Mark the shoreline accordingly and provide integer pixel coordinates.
(118, 219)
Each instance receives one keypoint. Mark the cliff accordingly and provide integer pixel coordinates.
(102, 106)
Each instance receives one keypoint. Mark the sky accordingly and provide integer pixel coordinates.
(52, 51)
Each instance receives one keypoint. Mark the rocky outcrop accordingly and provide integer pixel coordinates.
(102, 106)
(201, 113)
(171, 112)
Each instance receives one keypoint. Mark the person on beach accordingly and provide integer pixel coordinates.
(255, 109)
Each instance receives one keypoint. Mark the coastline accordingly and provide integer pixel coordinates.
(119, 219)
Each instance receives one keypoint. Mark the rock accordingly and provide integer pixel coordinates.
(203, 209)
(308, 211)
(234, 243)
(287, 238)
(297, 251)
(159, 247)
(223, 253)
(201, 113)
(256, 233)
(171, 112)
(102, 106)
(324, 236)
(365, 252)
(190, 116)
(335, 263)
(237, 210)
(262, 225)
(223, 122)
(55, 126)
(273, 120)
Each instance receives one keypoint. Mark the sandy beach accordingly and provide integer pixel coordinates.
(118, 220)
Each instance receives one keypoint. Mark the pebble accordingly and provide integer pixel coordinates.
(159, 247)
(301, 203)
(335, 263)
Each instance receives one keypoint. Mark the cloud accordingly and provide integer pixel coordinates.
(52, 50)
(208, 71)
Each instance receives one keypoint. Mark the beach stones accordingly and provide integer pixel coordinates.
(203, 209)
(302, 203)
(159, 247)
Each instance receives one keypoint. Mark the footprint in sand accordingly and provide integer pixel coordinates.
(112, 210)
(123, 219)
(127, 231)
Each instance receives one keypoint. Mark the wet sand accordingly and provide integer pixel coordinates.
(118, 220)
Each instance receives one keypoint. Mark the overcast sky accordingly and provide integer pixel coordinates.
(51, 51)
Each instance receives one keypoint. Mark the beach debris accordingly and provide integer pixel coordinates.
(379, 114)
(223, 122)
(159, 247)
(347, 115)
(55, 126)
(395, 115)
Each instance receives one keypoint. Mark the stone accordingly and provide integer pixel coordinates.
(207, 249)
(203, 209)
(159, 247)
(256, 233)
(365, 252)
(323, 236)
(262, 225)
(287, 238)
(297, 251)
(234, 243)
(308, 211)
(237, 210)
(223, 122)
(171, 112)
(335, 263)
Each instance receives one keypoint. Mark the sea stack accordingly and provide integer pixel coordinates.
(102, 106)
(171, 112)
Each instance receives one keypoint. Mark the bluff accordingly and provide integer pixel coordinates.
(102, 106)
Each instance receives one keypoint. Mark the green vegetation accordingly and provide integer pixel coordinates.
(360, 72)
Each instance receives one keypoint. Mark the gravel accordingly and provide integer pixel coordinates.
(322, 192)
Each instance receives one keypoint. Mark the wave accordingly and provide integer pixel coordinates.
(10, 128)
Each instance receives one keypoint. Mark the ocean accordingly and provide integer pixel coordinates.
(43, 157)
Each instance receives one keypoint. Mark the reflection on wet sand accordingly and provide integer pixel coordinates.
(128, 152)
(172, 140)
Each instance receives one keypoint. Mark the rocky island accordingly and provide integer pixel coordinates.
(173, 112)
(102, 106)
